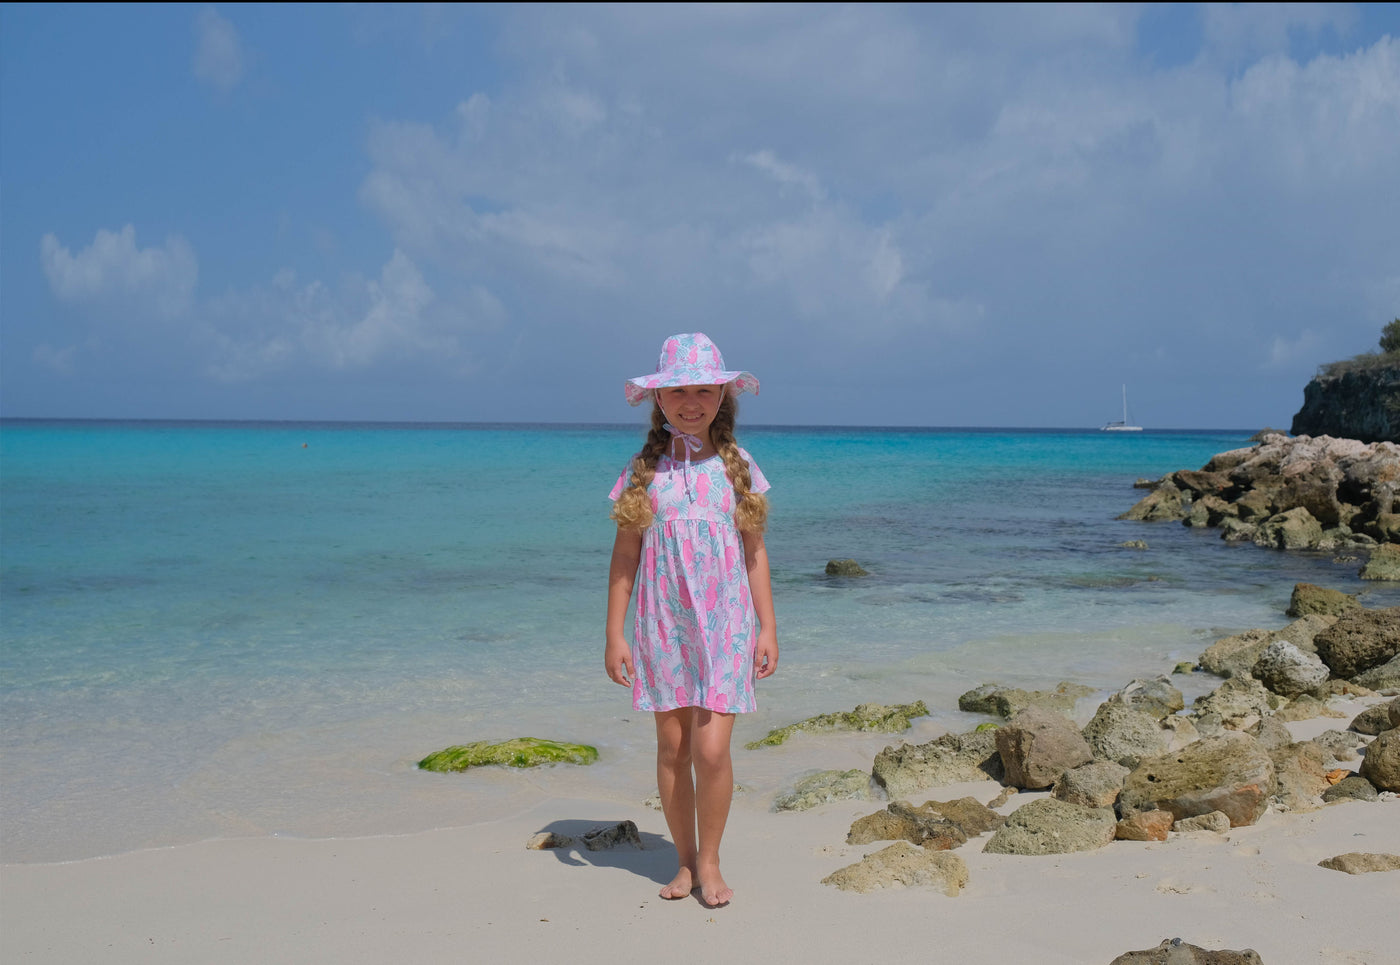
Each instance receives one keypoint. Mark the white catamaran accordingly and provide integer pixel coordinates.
(1122, 426)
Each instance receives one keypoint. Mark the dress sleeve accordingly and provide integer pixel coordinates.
(621, 483)
(760, 482)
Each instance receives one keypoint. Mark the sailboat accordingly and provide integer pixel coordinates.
(1122, 426)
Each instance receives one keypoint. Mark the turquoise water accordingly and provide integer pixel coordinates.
(222, 629)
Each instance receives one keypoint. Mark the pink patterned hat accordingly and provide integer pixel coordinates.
(688, 360)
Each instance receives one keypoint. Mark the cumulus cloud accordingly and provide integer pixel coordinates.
(113, 272)
(218, 55)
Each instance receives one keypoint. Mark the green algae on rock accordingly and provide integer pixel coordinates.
(869, 718)
(519, 752)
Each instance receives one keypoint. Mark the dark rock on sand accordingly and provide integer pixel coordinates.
(1353, 788)
(1176, 952)
(1371, 721)
(902, 821)
(1144, 826)
(1288, 671)
(1121, 734)
(1384, 677)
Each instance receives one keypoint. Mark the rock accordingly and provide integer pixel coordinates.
(1300, 776)
(1180, 731)
(1009, 701)
(1237, 697)
(548, 839)
(1305, 707)
(824, 788)
(902, 865)
(1093, 785)
(1164, 502)
(1037, 746)
(1288, 671)
(867, 718)
(1123, 735)
(1176, 952)
(901, 821)
(1359, 641)
(1186, 666)
(1156, 697)
(609, 836)
(1311, 598)
(1354, 402)
(1339, 745)
(1231, 773)
(1384, 563)
(845, 568)
(1144, 826)
(1233, 656)
(520, 752)
(1395, 712)
(1360, 862)
(1216, 821)
(1270, 733)
(1371, 721)
(969, 814)
(1296, 529)
(1381, 765)
(1134, 544)
(1004, 795)
(950, 759)
(1353, 788)
(1048, 826)
(1384, 677)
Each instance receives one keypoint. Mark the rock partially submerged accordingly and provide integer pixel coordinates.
(520, 752)
(950, 759)
(1009, 701)
(867, 718)
(1288, 493)
(825, 787)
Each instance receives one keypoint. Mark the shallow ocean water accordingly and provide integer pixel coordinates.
(231, 629)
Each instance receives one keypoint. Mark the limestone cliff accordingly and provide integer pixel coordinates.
(1361, 402)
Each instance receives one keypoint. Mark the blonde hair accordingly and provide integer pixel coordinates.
(633, 508)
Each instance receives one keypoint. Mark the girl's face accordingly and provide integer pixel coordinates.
(691, 408)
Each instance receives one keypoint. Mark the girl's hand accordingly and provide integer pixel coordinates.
(765, 653)
(617, 660)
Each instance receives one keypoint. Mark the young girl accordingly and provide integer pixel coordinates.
(690, 517)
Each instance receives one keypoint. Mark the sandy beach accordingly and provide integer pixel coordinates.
(475, 893)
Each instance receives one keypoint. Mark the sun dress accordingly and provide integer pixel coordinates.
(695, 627)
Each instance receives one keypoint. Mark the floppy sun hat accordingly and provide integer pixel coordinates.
(690, 359)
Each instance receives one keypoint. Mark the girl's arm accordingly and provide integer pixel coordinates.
(765, 654)
(622, 574)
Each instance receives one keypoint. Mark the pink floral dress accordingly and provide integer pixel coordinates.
(695, 627)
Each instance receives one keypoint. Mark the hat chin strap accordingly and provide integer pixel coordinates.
(690, 444)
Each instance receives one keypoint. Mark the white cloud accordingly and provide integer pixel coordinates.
(1303, 349)
(218, 55)
(787, 174)
(113, 272)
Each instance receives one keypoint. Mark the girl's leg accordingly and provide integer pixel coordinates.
(710, 734)
(677, 790)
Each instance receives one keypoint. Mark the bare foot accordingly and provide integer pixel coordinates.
(713, 891)
(680, 887)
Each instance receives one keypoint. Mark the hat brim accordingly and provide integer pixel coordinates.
(639, 389)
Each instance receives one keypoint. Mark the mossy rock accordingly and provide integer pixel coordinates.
(520, 752)
(869, 718)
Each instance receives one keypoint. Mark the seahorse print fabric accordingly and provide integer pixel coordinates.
(695, 627)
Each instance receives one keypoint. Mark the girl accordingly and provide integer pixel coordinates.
(690, 517)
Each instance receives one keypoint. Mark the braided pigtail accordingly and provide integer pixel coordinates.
(751, 509)
(632, 510)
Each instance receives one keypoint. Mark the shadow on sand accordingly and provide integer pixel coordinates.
(655, 859)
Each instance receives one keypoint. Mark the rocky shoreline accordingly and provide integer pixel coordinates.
(1293, 493)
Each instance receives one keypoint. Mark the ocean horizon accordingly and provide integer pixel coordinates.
(230, 629)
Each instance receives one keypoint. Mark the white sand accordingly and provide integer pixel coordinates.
(475, 894)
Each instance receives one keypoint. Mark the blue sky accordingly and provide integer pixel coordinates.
(893, 215)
